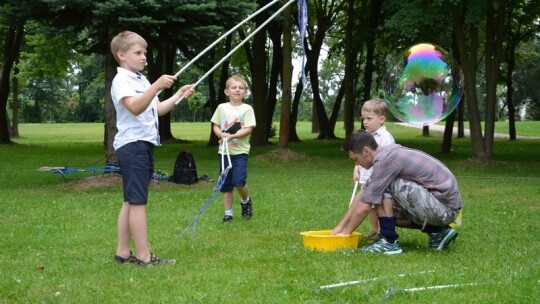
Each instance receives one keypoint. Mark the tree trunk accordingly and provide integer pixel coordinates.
(12, 46)
(350, 63)
(110, 111)
(165, 133)
(219, 97)
(286, 82)
(337, 106)
(293, 135)
(314, 122)
(457, 114)
(260, 91)
(468, 60)
(14, 130)
(495, 26)
(461, 124)
(325, 129)
(446, 146)
(510, 98)
(276, 70)
(375, 9)
(425, 131)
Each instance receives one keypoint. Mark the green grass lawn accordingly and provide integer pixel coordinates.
(58, 237)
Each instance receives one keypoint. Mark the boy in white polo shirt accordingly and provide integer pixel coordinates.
(137, 110)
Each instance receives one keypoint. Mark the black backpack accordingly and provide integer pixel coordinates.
(185, 171)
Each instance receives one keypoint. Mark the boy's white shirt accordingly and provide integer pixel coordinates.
(383, 138)
(132, 128)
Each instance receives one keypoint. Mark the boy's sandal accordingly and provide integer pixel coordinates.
(130, 259)
(154, 260)
(371, 236)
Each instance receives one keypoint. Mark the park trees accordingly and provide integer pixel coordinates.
(472, 22)
(522, 27)
(475, 32)
(526, 79)
(167, 26)
(326, 13)
(406, 23)
(358, 36)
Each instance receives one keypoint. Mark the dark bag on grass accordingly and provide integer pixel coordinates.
(185, 171)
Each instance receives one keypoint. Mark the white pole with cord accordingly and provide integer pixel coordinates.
(225, 35)
(354, 192)
(221, 38)
(238, 46)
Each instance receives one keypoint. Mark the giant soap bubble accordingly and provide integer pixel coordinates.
(423, 85)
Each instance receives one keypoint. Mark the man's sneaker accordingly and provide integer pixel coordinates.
(247, 209)
(130, 259)
(382, 246)
(154, 260)
(227, 219)
(440, 240)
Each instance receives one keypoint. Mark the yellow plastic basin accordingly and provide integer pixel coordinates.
(321, 240)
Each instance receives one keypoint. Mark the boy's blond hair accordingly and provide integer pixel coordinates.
(377, 106)
(124, 41)
(236, 78)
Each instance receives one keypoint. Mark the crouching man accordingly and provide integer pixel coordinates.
(425, 194)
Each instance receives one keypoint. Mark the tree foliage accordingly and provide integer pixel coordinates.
(61, 50)
(526, 78)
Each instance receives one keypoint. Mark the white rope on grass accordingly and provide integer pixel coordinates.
(342, 284)
(215, 190)
(392, 290)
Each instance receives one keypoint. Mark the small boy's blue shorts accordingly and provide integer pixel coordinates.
(237, 174)
(136, 161)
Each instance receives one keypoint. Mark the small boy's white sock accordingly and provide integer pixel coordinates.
(228, 212)
(246, 200)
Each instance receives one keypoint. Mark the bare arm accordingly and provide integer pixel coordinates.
(217, 130)
(356, 173)
(168, 104)
(137, 105)
(355, 215)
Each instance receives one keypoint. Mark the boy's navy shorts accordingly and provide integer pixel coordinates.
(237, 175)
(136, 161)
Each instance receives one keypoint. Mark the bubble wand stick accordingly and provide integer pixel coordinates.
(192, 61)
(223, 36)
(238, 46)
